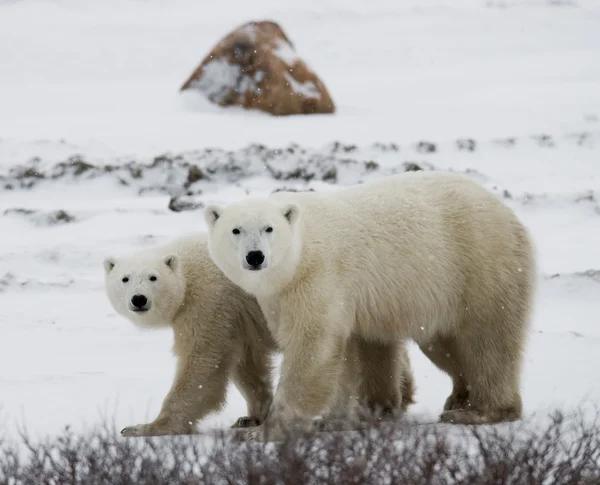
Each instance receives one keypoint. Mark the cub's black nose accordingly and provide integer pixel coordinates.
(139, 301)
(255, 258)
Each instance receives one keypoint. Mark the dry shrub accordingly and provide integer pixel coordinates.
(562, 451)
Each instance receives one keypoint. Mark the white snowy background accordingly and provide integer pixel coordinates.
(96, 82)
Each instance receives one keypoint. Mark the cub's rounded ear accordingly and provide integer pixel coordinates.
(211, 213)
(172, 261)
(109, 264)
(291, 212)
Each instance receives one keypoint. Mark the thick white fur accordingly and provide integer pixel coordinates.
(429, 256)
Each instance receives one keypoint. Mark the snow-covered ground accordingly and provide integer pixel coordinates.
(506, 90)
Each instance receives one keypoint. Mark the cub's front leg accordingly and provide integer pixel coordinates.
(199, 388)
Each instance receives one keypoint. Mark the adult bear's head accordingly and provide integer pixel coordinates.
(255, 242)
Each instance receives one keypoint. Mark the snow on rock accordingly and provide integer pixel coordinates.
(306, 89)
(286, 52)
(220, 77)
(256, 67)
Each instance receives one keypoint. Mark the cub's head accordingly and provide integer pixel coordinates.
(254, 240)
(147, 289)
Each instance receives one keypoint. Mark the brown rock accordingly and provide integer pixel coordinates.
(256, 67)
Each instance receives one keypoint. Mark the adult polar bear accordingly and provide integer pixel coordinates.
(220, 334)
(429, 256)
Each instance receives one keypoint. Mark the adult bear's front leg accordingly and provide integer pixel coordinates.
(308, 381)
(252, 377)
(311, 371)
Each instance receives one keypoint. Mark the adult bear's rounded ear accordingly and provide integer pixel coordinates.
(212, 212)
(109, 264)
(291, 212)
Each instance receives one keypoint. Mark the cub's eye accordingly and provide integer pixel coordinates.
(269, 229)
(236, 231)
(125, 279)
(152, 278)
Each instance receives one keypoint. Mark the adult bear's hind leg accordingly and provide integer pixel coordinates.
(491, 351)
(445, 354)
(386, 380)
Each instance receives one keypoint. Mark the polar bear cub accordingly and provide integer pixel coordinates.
(220, 334)
(428, 256)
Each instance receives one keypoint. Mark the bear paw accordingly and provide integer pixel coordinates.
(457, 400)
(246, 422)
(158, 429)
(139, 430)
(463, 416)
(477, 416)
(261, 434)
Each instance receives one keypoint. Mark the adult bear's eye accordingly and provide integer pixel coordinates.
(269, 229)
(152, 278)
(125, 279)
(236, 231)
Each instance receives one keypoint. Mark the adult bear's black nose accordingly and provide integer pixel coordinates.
(139, 301)
(255, 258)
